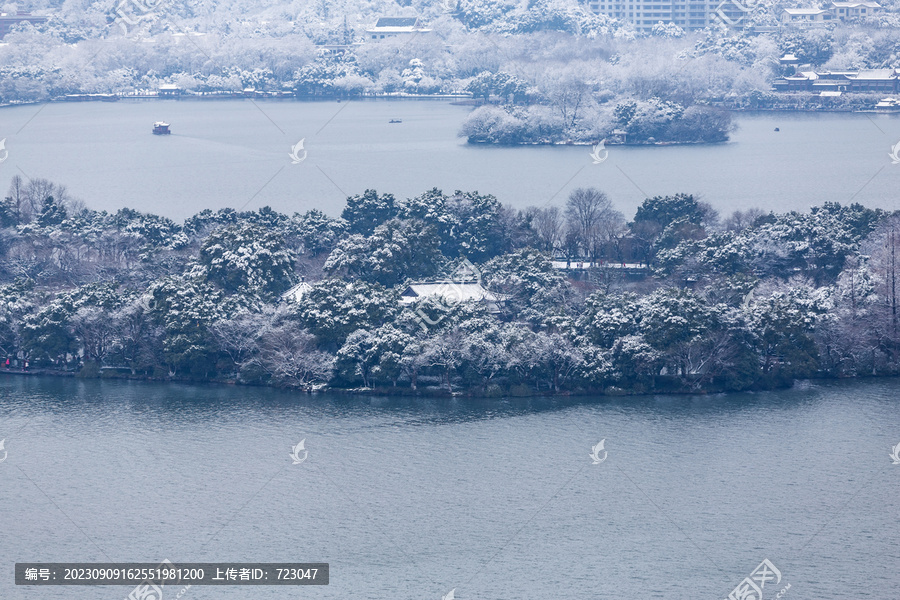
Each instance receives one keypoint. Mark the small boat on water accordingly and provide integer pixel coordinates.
(395, 121)
(777, 129)
(161, 128)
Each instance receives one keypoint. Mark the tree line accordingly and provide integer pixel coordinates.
(570, 65)
(750, 301)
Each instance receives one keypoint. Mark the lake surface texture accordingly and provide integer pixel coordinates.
(237, 153)
(408, 499)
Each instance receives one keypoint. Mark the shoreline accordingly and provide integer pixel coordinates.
(593, 143)
(456, 99)
(432, 392)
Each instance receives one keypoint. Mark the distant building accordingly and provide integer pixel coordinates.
(836, 11)
(618, 136)
(865, 81)
(90, 97)
(874, 80)
(690, 15)
(328, 50)
(851, 10)
(169, 90)
(888, 105)
(391, 27)
(805, 16)
(296, 293)
(7, 21)
(451, 292)
(584, 265)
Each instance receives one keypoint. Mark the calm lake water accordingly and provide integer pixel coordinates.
(498, 499)
(236, 154)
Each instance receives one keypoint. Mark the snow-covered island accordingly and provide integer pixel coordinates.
(450, 293)
(651, 122)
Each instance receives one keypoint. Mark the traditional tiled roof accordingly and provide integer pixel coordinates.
(875, 74)
(397, 22)
(297, 292)
(449, 291)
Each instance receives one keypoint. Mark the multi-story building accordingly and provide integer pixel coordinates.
(835, 11)
(691, 15)
(644, 14)
(844, 11)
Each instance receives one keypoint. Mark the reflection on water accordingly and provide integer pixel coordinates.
(498, 498)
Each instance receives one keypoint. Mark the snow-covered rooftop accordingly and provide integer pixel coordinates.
(297, 292)
(397, 25)
(449, 291)
(575, 265)
(804, 11)
(875, 74)
(864, 4)
(397, 22)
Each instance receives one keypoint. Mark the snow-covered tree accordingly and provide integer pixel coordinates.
(333, 309)
(248, 259)
(288, 354)
(396, 251)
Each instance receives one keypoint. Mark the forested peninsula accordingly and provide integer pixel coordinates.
(451, 293)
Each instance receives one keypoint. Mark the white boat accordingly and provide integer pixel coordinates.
(888, 105)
